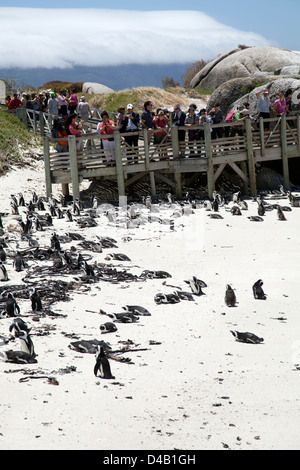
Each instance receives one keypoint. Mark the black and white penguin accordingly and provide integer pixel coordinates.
(258, 290)
(3, 272)
(215, 205)
(26, 344)
(18, 326)
(185, 295)
(36, 303)
(124, 317)
(235, 210)
(280, 213)
(108, 327)
(55, 243)
(2, 254)
(102, 365)
(246, 337)
(196, 285)
(11, 306)
(161, 298)
(261, 209)
(213, 215)
(76, 208)
(236, 197)
(21, 200)
(230, 297)
(69, 215)
(118, 257)
(40, 204)
(88, 346)
(18, 357)
(243, 205)
(255, 218)
(137, 310)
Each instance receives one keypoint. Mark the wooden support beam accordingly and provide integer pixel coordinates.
(178, 187)
(250, 155)
(284, 155)
(46, 149)
(210, 164)
(262, 136)
(175, 142)
(165, 179)
(238, 170)
(219, 171)
(135, 178)
(74, 167)
(119, 164)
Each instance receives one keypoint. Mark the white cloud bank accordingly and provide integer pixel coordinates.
(31, 37)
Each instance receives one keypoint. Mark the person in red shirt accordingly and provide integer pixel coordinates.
(107, 127)
(14, 103)
(161, 129)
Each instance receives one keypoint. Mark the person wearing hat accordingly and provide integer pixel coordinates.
(192, 120)
(264, 106)
(178, 119)
(129, 124)
(24, 99)
(85, 112)
(53, 104)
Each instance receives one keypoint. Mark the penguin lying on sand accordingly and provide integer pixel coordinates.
(108, 327)
(88, 346)
(137, 310)
(18, 357)
(196, 285)
(246, 337)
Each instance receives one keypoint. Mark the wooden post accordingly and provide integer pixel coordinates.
(34, 122)
(47, 166)
(243, 166)
(284, 155)
(178, 187)
(210, 164)
(42, 130)
(74, 166)
(250, 155)
(175, 142)
(262, 136)
(119, 165)
(147, 162)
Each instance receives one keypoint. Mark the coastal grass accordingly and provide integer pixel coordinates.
(16, 142)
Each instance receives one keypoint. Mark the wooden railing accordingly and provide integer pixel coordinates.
(247, 143)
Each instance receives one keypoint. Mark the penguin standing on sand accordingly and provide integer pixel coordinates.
(3, 272)
(230, 297)
(18, 263)
(102, 365)
(196, 285)
(11, 306)
(258, 290)
(280, 213)
(2, 254)
(36, 303)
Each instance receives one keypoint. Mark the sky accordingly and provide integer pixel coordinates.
(93, 33)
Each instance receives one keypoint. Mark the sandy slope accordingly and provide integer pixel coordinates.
(198, 388)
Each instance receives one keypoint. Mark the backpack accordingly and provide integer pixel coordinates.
(229, 117)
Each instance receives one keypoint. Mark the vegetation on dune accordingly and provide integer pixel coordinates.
(16, 142)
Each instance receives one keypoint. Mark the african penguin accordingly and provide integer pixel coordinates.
(2, 254)
(18, 357)
(11, 306)
(246, 337)
(108, 327)
(3, 272)
(36, 303)
(258, 290)
(102, 365)
(230, 297)
(137, 310)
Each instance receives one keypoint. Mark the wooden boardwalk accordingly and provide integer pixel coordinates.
(210, 156)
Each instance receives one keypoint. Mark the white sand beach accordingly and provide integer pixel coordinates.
(190, 385)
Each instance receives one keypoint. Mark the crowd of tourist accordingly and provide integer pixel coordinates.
(72, 115)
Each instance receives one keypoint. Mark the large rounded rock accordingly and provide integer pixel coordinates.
(244, 63)
(274, 86)
(241, 90)
(95, 88)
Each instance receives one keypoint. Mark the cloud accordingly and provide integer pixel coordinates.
(63, 38)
